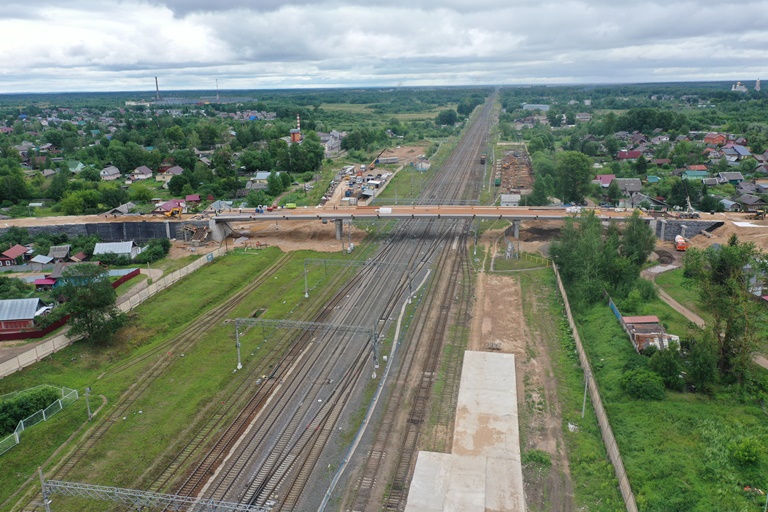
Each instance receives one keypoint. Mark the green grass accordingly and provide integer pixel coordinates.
(593, 478)
(500, 263)
(683, 291)
(123, 288)
(677, 452)
(179, 397)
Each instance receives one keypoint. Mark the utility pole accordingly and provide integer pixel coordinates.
(46, 501)
(237, 344)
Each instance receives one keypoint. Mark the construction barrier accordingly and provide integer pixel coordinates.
(48, 347)
(597, 404)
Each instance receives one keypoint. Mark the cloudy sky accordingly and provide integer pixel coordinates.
(108, 45)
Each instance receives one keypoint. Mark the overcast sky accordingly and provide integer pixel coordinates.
(114, 45)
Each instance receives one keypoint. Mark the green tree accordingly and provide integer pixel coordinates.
(447, 117)
(59, 185)
(614, 192)
(641, 165)
(611, 145)
(274, 184)
(175, 136)
(91, 303)
(637, 240)
(141, 194)
(723, 276)
(574, 173)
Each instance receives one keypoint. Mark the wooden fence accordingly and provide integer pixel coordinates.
(602, 419)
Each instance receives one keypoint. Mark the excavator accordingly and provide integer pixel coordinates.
(174, 212)
(758, 215)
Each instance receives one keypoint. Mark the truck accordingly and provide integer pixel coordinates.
(290, 206)
(482, 159)
(681, 244)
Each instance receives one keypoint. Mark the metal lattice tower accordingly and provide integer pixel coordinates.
(372, 332)
(141, 500)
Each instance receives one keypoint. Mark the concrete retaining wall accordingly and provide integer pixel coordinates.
(674, 227)
(139, 231)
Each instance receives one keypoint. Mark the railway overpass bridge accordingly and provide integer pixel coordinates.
(220, 224)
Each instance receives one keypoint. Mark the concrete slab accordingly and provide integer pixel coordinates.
(430, 482)
(484, 471)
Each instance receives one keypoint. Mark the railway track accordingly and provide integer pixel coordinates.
(388, 468)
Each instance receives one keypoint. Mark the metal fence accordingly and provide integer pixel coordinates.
(60, 341)
(68, 396)
(602, 419)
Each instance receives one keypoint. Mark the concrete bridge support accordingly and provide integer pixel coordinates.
(339, 228)
(219, 230)
(663, 229)
(516, 229)
(683, 228)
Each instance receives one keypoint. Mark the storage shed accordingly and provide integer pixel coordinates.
(127, 249)
(19, 314)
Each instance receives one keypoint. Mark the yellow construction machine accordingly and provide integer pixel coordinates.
(174, 212)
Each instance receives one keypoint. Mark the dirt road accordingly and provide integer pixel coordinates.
(651, 273)
(499, 323)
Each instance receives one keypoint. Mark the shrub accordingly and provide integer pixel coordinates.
(537, 458)
(745, 451)
(643, 384)
(668, 365)
(23, 405)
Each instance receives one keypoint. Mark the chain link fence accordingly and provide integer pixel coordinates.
(68, 396)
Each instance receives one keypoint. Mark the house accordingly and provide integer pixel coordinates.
(718, 139)
(44, 283)
(750, 202)
(583, 117)
(746, 187)
(219, 206)
(19, 314)
(174, 171)
(742, 152)
(59, 253)
(193, 198)
(628, 155)
(730, 206)
(694, 175)
(57, 274)
(127, 249)
(110, 173)
(646, 331)
(47, 173)
(711, 182)
(699, 167)
(75, 167)
(653, 179)
(629, 185)
(604, 180)
(38, 262)
(141, 173)
(123, 209)
(170, 205)
(734, 178)
(11, 256)
(79, 257)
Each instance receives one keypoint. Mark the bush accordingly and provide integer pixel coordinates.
(23, 405)
(155, 250)
(537, 458)
(668, 365)
(643, 384)
(745, 451)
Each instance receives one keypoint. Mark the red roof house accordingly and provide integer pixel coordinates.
(628, 155)
(8, 258)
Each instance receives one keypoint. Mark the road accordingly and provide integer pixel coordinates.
(651, 273)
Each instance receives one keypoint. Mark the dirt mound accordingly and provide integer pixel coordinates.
(538, 233)
(297, 235)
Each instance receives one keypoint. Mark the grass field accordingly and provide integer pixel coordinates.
(133, 451)
(366, 108)
(685, 452)
(674, 283)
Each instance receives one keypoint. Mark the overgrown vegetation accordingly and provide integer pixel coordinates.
(17, 407)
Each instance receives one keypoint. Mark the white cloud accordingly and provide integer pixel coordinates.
(122, 44)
